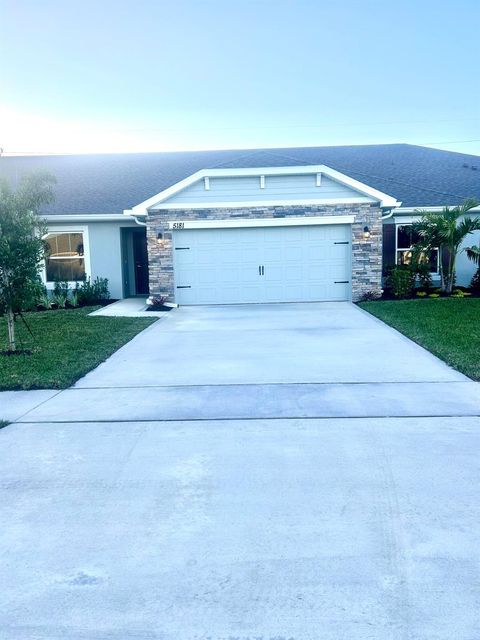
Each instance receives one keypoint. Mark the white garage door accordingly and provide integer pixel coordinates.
(262, 264)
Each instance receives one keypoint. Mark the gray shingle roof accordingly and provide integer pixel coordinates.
(110, 183)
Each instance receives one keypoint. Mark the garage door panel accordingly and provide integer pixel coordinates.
(294, 274)
(234, 275)
(224, 266)
(285, 253)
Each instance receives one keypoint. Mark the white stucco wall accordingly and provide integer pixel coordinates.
(106, 255)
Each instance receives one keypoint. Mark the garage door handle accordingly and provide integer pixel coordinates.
(259, 270)
(346, 242)
(263, 270)
(342, 281)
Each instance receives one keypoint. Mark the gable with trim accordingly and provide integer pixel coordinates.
(267, 186)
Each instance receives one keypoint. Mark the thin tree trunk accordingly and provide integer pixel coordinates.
(448, 274)
(452, 262)
(442, 275)
(12, 346)
(449, 280)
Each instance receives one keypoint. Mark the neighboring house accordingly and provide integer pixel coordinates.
(268, 225)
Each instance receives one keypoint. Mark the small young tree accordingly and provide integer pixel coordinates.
(446, 231)
(21, 244)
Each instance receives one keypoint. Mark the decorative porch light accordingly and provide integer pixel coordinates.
(160, 239)
(366, 232)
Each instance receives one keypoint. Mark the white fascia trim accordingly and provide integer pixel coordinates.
(419, 210)
(405, 219)
(384, 199)
(249, 204)
(78, 217)
(291, 221)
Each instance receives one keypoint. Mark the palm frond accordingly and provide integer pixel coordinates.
(467, 205)
(473, 254)
(466, 226)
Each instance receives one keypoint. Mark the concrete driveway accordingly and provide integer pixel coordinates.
(266, 361)
(297, 522)
(259, 344)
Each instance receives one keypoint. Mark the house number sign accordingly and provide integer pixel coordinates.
(178, 225)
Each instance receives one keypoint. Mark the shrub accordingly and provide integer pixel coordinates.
(421, 294)
(92, 292)
(402, 281)
(434, 295)
(44, 301)
(373, 294)
(422, 271)
(60, 288)
(60, 300)
(158, 301)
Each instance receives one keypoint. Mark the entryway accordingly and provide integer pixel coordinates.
(134, 262)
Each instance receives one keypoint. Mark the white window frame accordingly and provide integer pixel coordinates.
(83, 229)
(404, 249)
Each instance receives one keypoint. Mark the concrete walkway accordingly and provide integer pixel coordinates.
(128, 308)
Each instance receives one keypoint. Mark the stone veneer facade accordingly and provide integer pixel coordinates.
(366, 252)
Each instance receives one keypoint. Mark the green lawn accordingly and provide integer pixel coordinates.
(448, 327)
(66, 345)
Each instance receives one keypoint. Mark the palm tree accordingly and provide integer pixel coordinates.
(446, 231)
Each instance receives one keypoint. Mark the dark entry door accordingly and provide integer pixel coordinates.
(140, 259)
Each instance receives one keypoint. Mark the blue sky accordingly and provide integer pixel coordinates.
(93, 76)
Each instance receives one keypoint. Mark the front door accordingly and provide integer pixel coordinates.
(135, 262)
(140, 260)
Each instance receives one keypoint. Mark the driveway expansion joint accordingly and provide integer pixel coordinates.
(264, 384)
(260, 401)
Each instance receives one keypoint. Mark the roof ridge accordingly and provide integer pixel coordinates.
(248, 151)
